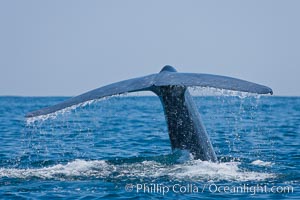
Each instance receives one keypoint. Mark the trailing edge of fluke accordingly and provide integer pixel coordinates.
(186, 130)
(167, 77)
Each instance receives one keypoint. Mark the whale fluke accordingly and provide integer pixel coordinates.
(186, 130)
(164, 78)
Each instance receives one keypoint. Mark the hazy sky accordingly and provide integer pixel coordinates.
(69, 47)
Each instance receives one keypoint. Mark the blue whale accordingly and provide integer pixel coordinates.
(186, 130)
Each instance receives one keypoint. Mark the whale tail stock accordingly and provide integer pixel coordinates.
(186, 130)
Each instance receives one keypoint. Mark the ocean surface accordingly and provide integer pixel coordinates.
(119, 148)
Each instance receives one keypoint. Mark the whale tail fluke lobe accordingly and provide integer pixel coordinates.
(131, 85)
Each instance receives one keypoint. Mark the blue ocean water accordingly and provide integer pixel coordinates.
(119, 148)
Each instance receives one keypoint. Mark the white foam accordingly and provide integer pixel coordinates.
(71, 169)
(262, 163)
(189, 171)
(203, 170)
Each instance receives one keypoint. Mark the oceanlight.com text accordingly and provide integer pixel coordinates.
(180, 188)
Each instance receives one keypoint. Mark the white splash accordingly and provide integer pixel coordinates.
(209, 91)
(195, 91)
(262, 163)
(189, 171)
(54, 115)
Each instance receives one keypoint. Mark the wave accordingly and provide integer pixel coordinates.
(194, 170)
(262, 163)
